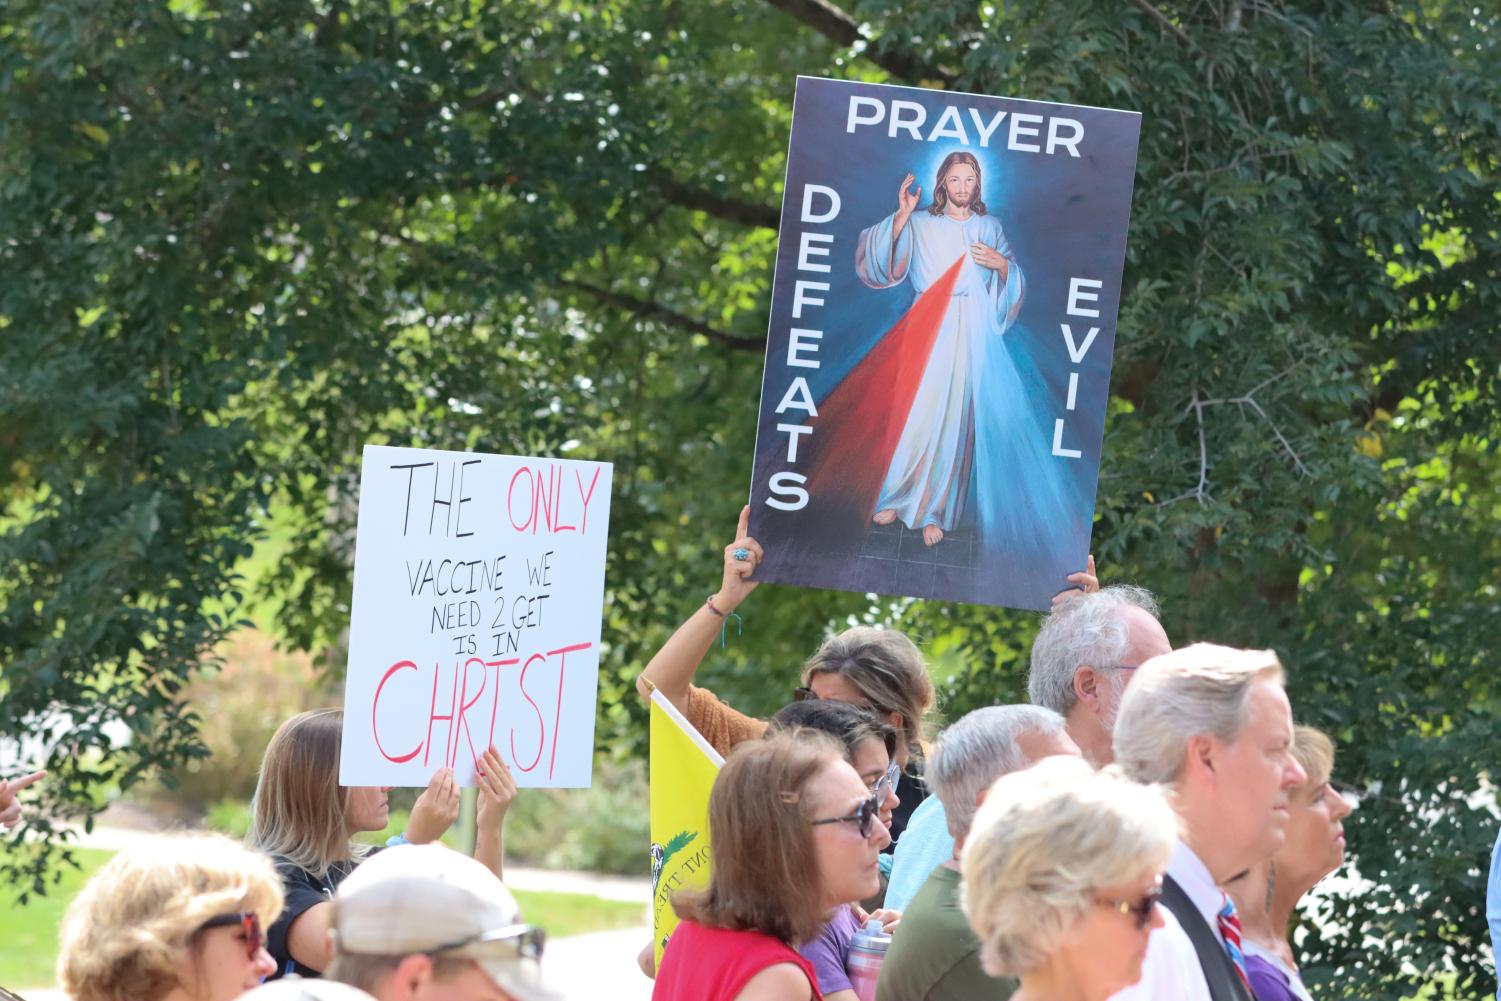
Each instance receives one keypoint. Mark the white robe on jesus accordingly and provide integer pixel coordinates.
(928, 478)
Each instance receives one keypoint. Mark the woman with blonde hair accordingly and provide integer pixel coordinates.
(176, 918)
(1268, 894)
(307, 823)
(795, 834)
(1062, 871)
(877, 669)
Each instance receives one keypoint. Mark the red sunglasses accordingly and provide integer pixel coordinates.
(250, 924)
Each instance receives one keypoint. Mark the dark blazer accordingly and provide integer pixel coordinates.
(1219, 969)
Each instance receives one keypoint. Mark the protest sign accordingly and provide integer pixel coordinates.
(942, 326)
(683, 769)
(478, 586)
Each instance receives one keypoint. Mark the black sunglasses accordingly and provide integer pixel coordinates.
(1140, 909)
(248, 921)
(527, 940)
(865, 815)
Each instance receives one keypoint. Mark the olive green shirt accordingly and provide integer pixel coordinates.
(934, 954)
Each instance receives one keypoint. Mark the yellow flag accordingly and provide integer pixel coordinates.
(683, 767)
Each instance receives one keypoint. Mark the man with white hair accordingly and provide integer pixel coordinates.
(935, 955)
(1084, 656)
(424, 923)
(1214, 725)
(1082, 659)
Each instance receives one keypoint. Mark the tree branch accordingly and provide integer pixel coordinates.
(1166, 22)
(734, 209)
(834, 23)
(647, 310)
(1200, 493)
(1247, 399)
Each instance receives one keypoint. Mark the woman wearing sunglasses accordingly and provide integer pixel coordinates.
(795, 835)
(1062, 871)
(178, 918)
(1266, 896)
(868, 742)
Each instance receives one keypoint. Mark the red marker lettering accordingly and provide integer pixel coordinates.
(375, 729)
(562, 655)
(531, 502)
(433, 717)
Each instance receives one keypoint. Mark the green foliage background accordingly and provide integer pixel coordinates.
(237, 242)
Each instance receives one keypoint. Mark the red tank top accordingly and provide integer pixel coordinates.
(715, 964)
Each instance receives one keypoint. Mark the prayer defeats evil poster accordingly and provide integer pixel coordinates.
(942, 324)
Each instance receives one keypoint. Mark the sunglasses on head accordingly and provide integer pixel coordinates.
(248, 921)
(806, 694)
(864, 816)
(1141, 909)
(527, 940)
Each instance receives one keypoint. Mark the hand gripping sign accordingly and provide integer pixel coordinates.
(478, 587)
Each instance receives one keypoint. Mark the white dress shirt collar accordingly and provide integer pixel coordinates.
(1190, 873)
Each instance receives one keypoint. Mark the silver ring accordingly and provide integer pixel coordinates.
(741, 555)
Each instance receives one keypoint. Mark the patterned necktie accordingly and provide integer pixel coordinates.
(1230, 931)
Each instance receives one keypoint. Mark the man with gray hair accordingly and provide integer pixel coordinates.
(1213, 724)
(935, 955)
(1084, 656)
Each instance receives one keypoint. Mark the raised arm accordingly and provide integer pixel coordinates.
(671, 670)
(884, 251)
(497, 791)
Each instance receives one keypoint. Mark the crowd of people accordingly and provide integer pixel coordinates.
(1144, 828)
(303, 909)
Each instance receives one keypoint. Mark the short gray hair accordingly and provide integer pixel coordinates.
(1201, 689)
(1045, 842)
(978, 749)
(1085, 629)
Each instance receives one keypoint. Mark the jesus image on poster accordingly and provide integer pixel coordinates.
(964, 275)
(939, 342)
(932, 431)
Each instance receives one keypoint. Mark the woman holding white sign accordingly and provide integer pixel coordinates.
(306, 822)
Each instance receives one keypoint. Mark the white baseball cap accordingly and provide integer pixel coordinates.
(427, 898)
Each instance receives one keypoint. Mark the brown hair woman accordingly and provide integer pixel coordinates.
(795, 834)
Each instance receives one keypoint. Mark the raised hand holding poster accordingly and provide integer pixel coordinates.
(942, 326)
(478, 589)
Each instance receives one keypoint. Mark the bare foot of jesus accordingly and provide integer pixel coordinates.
(932, 535)
(885, 517)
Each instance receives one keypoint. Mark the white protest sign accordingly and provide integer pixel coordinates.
(478, 588)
